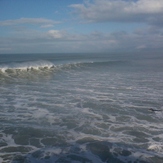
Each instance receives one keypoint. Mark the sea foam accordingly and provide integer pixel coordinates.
(26, 66)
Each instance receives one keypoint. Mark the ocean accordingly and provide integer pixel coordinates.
(81, 108)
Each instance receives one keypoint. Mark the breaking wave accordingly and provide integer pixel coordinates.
(26, 66)
(45, 65)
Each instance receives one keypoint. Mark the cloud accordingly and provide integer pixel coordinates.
(63, 41)
(149, 11)
(24, 40)
(47, 26)
(32, 21)
(55, 34)
(27, 40)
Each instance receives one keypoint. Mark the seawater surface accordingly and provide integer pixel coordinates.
(89, 108)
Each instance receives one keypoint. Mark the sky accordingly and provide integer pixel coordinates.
(81, 26)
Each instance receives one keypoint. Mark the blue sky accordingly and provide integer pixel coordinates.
(81, 26)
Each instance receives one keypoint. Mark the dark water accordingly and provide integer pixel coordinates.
(71, 108)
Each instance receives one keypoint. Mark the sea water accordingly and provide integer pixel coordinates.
(89, 108)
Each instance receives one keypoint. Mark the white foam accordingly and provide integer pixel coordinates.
(88, 111)
(156, 147)
(153, 147)
(8, 139)
(54, 150)
(159, 114)
(25, 66)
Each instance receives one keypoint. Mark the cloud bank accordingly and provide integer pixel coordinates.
(146, 11)
(31, 21)
(62, 41)
(44, 37)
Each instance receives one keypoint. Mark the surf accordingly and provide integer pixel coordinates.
(26, 66)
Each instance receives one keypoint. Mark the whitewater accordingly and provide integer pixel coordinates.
(89, 108)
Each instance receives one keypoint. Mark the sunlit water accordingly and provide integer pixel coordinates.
(81, 108)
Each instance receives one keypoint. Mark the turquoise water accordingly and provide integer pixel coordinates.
(89, 108)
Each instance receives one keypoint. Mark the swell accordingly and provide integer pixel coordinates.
(43, 65)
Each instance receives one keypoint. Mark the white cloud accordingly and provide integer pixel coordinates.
(144, 7)
(63, 41)
(148, 11)
(47, 26)
(32, 21)
(32, 40)
(38, 40)
(55, 34)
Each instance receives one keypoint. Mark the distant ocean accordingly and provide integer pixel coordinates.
(81, 108)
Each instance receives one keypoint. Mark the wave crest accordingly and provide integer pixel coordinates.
(26, 66)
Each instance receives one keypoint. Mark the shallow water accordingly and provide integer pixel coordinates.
(81, 108)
